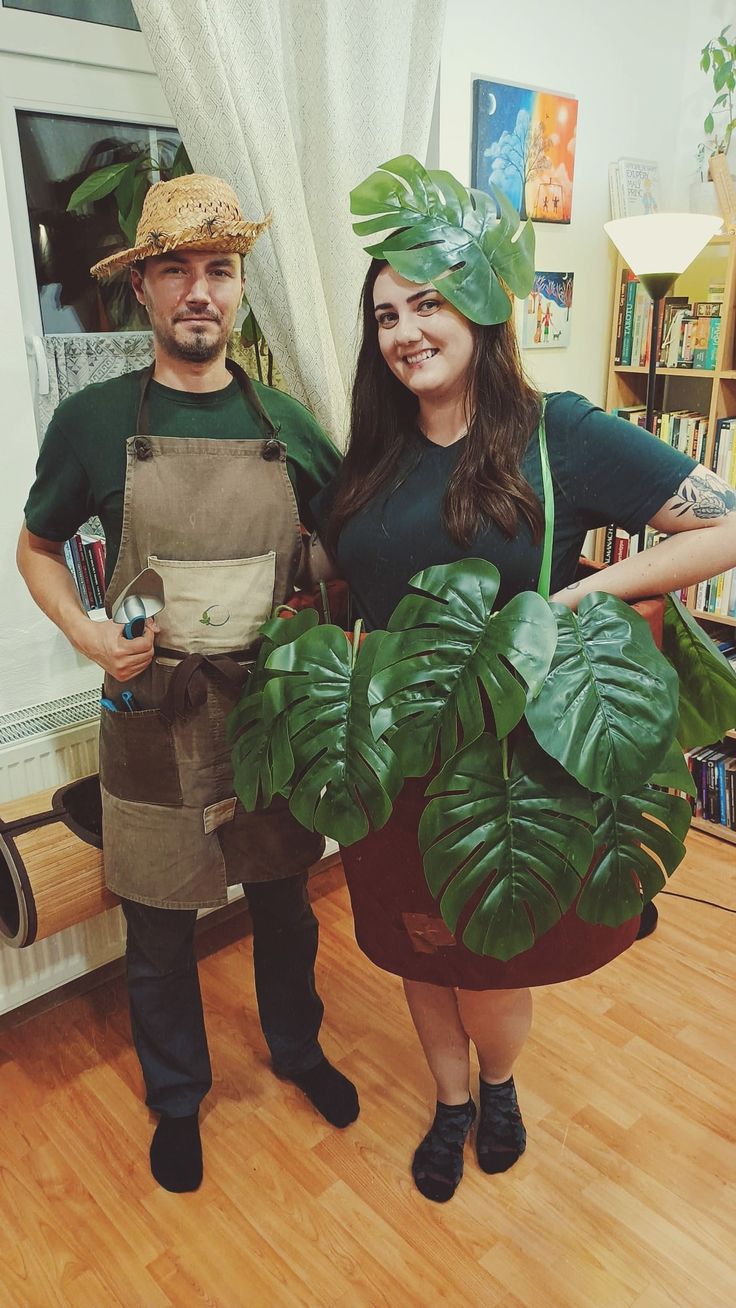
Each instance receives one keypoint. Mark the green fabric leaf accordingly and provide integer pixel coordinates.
(445, 647)
(345, 782)
(129, 220)
(608, 709)
(707, 680)
(447, 235)
(521, 844)
(261, 754)
(641, 836)
(97, 185)
(673, 772)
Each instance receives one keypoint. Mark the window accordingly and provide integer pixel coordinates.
(108, 13)
(57, 153)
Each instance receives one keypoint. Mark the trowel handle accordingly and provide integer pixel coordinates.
(135, 611)
(133, 629)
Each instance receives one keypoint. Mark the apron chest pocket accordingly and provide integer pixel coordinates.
(214, 605)
(138, 758)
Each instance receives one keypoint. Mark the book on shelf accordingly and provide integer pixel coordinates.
(85, 558)
(713, 770)
(634, 187)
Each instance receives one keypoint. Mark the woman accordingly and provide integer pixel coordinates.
(444, 463)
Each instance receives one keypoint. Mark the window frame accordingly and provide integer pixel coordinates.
(62, 88)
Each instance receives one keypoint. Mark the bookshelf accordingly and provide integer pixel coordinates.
(707, 391)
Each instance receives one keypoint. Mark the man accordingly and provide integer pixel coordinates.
(199, 477)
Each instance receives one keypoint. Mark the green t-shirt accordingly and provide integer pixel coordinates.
(81, 465)
(603, 469)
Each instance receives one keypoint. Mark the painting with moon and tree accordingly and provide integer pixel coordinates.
(524, 144)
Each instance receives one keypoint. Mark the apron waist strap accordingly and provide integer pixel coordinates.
(187, 689)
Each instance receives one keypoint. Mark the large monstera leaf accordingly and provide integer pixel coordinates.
(517, 846)
(641, 837)
(707, 680)
(447, 235)
(256, 779)
(446, 646)
(343, 780)
(608, 708)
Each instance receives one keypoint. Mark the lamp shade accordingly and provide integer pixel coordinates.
(662, 242)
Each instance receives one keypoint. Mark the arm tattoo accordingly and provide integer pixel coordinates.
(573, 585)
(706, 497)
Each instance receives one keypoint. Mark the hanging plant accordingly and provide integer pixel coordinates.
(552, 736)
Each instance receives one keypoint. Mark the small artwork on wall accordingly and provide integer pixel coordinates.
(546, 312)
(524, 143)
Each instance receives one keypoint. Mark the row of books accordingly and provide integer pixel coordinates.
(717, 596)
(85, 557)
(683, 429)
(688, 334)
(714, 773)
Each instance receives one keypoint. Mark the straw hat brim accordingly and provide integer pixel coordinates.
(239, 238)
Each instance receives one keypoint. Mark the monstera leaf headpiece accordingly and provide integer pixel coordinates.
(447, 235)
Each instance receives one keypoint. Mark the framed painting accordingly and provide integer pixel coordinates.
(546, 312)
(524, 143)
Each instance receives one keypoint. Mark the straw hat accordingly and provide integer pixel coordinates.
(194, 212)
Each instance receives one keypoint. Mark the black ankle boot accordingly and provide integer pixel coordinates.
(501, 1136)
(438, 1162)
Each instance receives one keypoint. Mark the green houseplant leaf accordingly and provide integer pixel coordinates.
(522, 844)
(640, 841)
(444, 648)
(608, 709)
(97, 185)
(707, 680)
(442, 233)
(257, 776)
(344, 780)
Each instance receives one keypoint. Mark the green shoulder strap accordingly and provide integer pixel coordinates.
(545, 573)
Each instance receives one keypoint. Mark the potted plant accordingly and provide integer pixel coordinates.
(718, 61)
(552, 741)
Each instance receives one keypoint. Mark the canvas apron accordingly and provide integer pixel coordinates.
(218, 520)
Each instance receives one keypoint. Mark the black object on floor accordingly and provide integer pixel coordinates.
(501, 1136)
(649, 916)
(331, 1093)
(176, 1154)
(437, 1166)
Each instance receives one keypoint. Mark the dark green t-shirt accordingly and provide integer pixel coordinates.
(603, 469)
(81, 465)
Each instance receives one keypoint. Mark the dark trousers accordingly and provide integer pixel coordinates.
(166, 1006)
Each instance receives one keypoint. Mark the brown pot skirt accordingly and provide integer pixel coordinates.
(398, 924)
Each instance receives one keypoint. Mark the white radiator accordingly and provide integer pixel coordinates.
(41, 747)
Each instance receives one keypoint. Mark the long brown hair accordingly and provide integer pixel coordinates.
(487, 485)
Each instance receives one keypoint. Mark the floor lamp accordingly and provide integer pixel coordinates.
(658, 247)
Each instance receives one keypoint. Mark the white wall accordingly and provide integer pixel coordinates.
(626, 64)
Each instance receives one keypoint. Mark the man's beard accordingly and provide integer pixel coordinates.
(197, 347)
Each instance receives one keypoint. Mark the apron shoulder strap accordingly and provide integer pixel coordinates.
(143, 421)
(545, 574)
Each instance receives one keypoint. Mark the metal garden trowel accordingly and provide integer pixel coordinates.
(142, 599)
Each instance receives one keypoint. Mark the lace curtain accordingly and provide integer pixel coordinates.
(294, 102)
(66, 363)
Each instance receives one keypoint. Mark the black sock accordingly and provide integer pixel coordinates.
(176, 1153)
(438, 1162)
(331, 1093)
(501, 1135)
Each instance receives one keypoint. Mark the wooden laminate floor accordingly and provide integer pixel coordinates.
(625, 1198)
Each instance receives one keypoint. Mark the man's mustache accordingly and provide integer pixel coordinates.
(197, 317)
